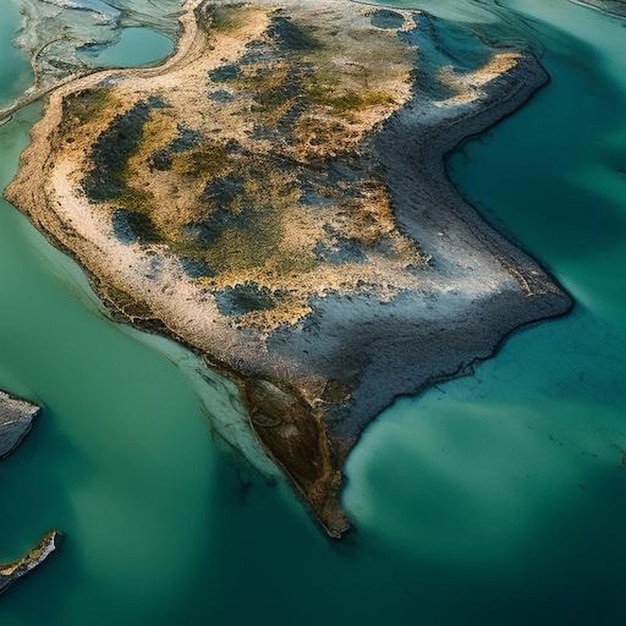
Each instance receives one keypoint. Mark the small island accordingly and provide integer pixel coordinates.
(275, 197)
(12, 572)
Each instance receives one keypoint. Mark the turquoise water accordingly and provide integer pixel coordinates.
(497, 499)
(136, 46)
(15, 75)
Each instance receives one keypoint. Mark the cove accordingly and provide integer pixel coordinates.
(494, 499)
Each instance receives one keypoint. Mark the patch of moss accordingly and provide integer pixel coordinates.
(110, 153)
(291, 36)
(208, 159)
(344, 102)
(244, 298)
(133, 226)
(83, 106)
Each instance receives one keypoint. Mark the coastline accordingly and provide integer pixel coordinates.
(535, 298)
(10, 573)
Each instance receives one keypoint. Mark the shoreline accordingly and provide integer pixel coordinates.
(535, 298)
(10, 573)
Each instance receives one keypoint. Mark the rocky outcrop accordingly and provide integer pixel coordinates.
(14, 571)
(16, 421)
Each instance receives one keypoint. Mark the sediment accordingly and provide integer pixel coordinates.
(616, 8)
(275, 197)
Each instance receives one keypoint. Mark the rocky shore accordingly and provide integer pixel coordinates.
(16, 420)
(275, 197)
(12, 572)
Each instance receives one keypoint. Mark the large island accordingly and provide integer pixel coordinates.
(275, 197)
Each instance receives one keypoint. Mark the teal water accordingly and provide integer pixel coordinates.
(497, 499)
(136, 46)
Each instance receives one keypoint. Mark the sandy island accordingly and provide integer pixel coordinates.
(274, 196)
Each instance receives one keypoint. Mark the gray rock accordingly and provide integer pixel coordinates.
(16, 420)
(14, 571)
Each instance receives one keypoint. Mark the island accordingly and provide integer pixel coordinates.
(12, 572)
(275, 197)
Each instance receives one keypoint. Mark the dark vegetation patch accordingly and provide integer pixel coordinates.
(196, 268)
(384, 18)
(161, 160)
(81, 107)
(133, 226)
(187, 139)
(208, 231)
(221, 95)
(291, 36)
(209, 158)
(260, 132)
(244, 298)
(343, 103)
(257, 52)
(225, 73)
(110, 154)
(321, 186)
(156, 102)
(223, 190)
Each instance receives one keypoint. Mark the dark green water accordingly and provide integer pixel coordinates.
(498, 499)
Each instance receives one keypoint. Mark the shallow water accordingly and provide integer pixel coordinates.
(136, 46)
(493, 499)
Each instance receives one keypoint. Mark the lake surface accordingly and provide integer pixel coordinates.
(136, 46)
(497, 499)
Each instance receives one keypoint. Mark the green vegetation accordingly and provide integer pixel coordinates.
(290, 36)
(82, 107)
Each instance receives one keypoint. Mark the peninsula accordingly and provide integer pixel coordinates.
(16, 421)
(274, 196)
